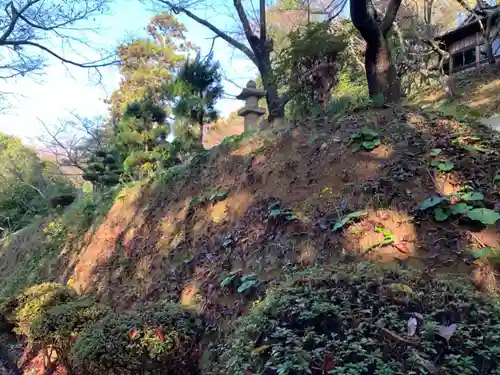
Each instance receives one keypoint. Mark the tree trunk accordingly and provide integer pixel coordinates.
(380, 71)
(275, 104)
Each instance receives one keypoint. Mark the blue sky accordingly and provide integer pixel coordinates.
(61, 90)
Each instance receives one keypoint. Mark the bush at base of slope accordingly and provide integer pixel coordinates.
(159, 339)
(364, 321)
(59, 326)
(34, 302)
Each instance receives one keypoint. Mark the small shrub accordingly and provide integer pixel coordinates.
(159, 339)
(30, 306)
(361, 320)
(466, 204)
(60, 325)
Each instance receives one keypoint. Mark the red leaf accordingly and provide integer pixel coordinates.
(328, 363)
(160, 334)
(133, 333)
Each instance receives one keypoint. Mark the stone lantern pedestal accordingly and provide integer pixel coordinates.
(251, 112)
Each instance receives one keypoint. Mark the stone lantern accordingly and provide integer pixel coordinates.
(251, 112)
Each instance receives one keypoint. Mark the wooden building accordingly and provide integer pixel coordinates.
(465, 44)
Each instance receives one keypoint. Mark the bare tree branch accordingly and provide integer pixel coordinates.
(221, 34)
(24, 29)
(390, 16)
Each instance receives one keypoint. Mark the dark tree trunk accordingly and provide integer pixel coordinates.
(380, 71)
(275, 103)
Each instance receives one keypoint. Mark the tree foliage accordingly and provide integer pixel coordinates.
(199, 86)
(309, 65)
(148, 65)
(27, 184)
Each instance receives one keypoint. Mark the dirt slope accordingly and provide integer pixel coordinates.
(160, 241)
(476, 94)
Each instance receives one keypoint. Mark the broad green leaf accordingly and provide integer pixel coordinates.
(435, 152)
(440, 214)
(356, 147)
(357, 135)
(479, 253)
(484, 215)
(369, 145)
(434, 163)
(275, 212)
(247, 285)
(430, 202)
(379, 229)
(369, 134)
(340, 223)
(250, 276)
(460, 208)
(472, 196)
(376, 142)
(290, 217)
(356, 214)
(446, 166)
(228, 280)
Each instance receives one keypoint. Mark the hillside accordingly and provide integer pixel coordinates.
(171, 239)
(476, 94)
(264, 204)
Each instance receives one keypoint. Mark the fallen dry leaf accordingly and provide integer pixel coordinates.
(412, 326)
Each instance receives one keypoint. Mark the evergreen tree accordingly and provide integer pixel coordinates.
(199, 86)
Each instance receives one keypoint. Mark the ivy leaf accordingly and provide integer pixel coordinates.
(369, 134)
(340, 223)
(440, 214)
(356, 135)
(376, 141)
(275, 212)
(356, 214)
(369, 145)
(247, 285)
(356, 147)
(460, 208)
(446, 166)
(435, 152)
(227, 281)
(434, 163)
(473, 196)
(484, 215)
(430, 202)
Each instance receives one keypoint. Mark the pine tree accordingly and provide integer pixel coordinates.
(199, 86)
